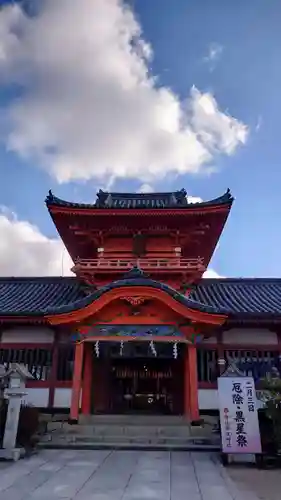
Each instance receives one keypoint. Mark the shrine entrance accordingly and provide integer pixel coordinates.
(136, 349)
(146, 386)
(137, 377)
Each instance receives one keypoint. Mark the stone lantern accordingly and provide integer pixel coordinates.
(13, 382)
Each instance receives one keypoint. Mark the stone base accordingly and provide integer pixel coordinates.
(14, 454)
(238, 458)
(197, 423)
(72, 421)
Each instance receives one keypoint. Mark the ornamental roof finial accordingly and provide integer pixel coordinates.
(135, 273)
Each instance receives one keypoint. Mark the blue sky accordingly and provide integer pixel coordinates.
(244, 76)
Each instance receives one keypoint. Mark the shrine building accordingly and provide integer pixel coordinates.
(137, 329)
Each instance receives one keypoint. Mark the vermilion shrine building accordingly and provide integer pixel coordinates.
(138, 329)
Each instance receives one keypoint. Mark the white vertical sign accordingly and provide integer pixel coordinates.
(238, 415)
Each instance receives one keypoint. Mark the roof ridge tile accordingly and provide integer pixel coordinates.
(171, 199)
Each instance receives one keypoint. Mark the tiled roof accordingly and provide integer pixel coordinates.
(241, 296)
(135, 277)
(246, 298)
(30, 296)
(176, 199)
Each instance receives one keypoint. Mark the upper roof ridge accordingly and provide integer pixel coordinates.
(157, 200)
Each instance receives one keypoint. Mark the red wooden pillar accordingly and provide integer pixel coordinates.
(77, 380)
(191, 407)
(87, 380)
(193, 381)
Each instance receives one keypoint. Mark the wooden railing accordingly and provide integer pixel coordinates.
(145, 264)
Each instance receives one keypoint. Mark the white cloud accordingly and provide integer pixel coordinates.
(216, 130)
(25, 251)
(215, 51)
(210, 273)
(90, 108)
(146, 188)
(194, 199)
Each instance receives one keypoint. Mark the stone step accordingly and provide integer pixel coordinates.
(190, 446)
(119, 438)
(138, 420)
(129, 430)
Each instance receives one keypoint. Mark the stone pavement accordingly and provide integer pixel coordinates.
(266, 483)
(117, 475)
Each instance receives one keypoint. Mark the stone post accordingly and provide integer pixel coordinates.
(16, 376)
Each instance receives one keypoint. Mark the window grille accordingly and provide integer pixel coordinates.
(37, 361)
(254, 363)
(207, 365)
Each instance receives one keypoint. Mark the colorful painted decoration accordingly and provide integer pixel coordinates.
(132, 331)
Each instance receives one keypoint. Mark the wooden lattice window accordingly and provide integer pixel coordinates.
(207, 365)
(37, 361)
(254, 363)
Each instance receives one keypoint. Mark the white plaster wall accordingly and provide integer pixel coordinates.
(250, 336)
(29, 335)
(38, 397)
(63, 398)
(208, 399)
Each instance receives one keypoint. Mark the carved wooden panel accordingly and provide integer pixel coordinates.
(136, 300)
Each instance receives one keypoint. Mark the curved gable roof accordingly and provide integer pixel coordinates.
(132, 281)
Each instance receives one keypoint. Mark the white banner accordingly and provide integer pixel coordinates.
(238, 415)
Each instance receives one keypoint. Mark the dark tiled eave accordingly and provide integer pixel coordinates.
(21, 297)
(244, 300)
(174, 200)
(71, 299)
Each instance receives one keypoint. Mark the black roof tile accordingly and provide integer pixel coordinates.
(176, 199)
(238, 297)
(28, 296)
(241, 296)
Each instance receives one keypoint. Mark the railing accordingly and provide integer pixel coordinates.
(146, 264)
